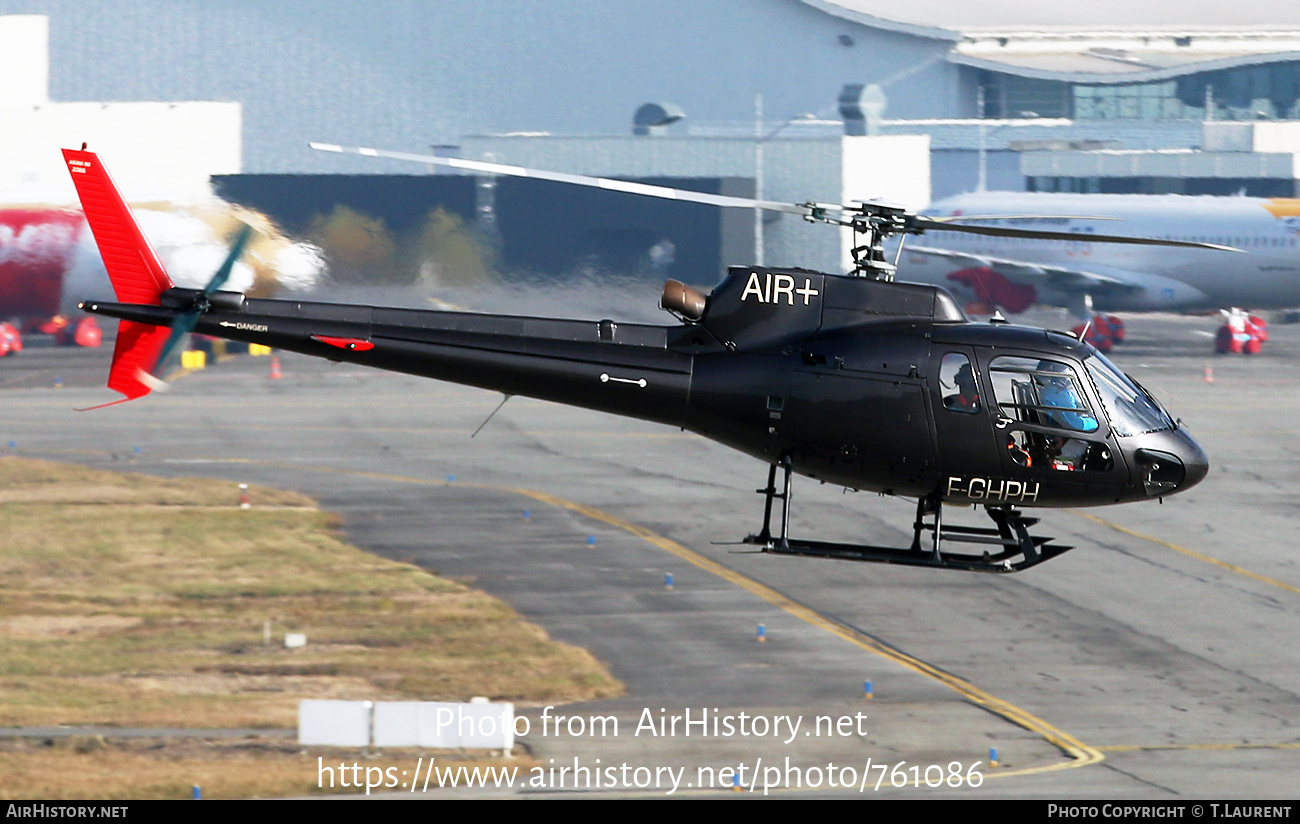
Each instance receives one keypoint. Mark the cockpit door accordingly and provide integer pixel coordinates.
(1048, 424)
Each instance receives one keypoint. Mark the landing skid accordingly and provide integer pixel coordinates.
(1010, 547)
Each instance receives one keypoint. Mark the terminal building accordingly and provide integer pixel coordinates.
(943, 97)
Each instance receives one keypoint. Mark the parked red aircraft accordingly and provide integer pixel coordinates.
(47, 252)
(38, 247)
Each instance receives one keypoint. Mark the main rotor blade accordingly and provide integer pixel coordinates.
(949, 218)
(609, 184)
(810, 211)
(932, 225)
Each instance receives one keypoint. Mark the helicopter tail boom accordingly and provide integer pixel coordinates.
(627, 369)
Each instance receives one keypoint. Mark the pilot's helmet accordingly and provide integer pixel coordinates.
(1060, 373)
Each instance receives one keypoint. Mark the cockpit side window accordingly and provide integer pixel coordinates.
(1037, 396)
(957, 377)
(1042, 392)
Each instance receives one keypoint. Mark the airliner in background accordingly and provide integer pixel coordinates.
(1087, 278)
(48, 261)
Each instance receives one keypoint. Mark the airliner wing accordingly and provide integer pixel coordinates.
(1064, 278)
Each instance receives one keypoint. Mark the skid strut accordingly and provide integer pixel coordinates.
(769, 493)
(1008, 546)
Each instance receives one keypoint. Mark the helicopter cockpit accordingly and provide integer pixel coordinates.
(1060, 418)
(1048, 420)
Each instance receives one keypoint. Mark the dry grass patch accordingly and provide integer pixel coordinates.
(137, 601)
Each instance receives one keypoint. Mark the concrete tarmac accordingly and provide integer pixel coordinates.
(1158, 660)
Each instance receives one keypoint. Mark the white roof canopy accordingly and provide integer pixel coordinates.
(1102, 41)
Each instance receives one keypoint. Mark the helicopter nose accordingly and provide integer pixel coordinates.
(1180, 463)
(1196, 463)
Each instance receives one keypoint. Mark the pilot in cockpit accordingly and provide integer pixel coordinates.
(1057, 392)
(967, 398)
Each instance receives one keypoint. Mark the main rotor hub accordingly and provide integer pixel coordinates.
(872, 224)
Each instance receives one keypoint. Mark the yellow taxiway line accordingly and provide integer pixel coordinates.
(1080, 754)
(1191, 553)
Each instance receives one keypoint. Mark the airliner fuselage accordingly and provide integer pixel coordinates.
(1265, 274)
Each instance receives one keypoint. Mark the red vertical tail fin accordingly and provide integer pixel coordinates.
(133, 267)
(137, 275)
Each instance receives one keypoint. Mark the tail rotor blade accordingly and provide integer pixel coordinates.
(185, 323)
(181, 326)
(236, 249)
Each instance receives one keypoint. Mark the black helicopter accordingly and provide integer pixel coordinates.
(850, 379)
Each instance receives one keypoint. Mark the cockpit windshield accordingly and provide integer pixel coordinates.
(1131, 408)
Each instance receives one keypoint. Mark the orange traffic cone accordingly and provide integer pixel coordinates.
(1209, 374)
(275, 367)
